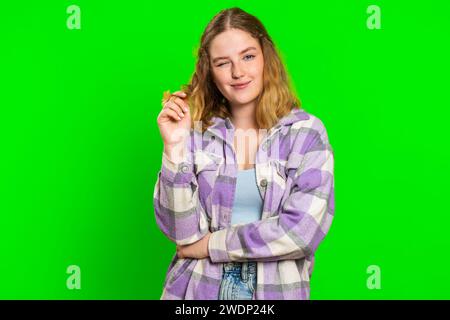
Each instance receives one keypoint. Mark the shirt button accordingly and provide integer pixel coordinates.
(184, 168)
(263, 183)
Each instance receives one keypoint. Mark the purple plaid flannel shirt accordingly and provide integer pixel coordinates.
(295, 176)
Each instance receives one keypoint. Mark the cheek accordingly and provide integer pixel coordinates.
(220, 82)
(258, 69)
(258, 76)
(220, 79)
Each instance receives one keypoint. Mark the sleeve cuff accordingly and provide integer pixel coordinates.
(217, 247)
(177, 172)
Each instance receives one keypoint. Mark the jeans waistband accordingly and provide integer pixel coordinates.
(245, 269)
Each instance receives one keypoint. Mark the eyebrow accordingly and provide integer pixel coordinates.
(243, 51)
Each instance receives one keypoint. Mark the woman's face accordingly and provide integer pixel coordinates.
(237, 58)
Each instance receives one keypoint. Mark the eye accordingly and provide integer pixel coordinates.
(249, 55)
(219, 65)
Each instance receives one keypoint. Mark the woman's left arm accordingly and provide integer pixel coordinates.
(197, 250)
(302, 222)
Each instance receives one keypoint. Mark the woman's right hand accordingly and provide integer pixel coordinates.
(174, 115)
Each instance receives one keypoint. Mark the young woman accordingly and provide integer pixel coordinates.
(246, 217)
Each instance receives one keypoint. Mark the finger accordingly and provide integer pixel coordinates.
(173, 106)
(183, 105)
(176, 107)
(180, 93)
(172, 114)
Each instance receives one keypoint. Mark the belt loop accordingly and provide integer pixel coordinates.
(244, 271)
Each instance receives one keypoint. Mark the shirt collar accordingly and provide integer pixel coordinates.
(223, 127)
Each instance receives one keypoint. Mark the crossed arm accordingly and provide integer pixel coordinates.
(197, 250)
(295, 232)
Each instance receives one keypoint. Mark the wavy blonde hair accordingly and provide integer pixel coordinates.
(277, 98)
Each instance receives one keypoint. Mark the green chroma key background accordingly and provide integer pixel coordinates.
(81, 149)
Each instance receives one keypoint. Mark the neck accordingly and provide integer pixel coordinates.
(244, 116)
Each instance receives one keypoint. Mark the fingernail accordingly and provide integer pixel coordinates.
(179, 118)
(185, 109)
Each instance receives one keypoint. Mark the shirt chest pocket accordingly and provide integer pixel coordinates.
(206, 163)
(206, 169)
(279, 175)
(284, 173)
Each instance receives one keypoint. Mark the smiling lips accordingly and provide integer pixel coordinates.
(241, 85)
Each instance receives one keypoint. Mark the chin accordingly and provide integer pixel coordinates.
(243, 100)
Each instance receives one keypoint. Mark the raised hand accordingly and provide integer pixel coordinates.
(174, 120)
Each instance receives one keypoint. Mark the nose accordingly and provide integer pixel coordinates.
(236, 71)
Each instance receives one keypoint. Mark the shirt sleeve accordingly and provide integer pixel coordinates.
(179, 213)
(303, 219)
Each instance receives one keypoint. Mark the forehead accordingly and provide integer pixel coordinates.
(231, 42)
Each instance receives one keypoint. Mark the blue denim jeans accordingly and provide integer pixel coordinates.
(238, 281)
